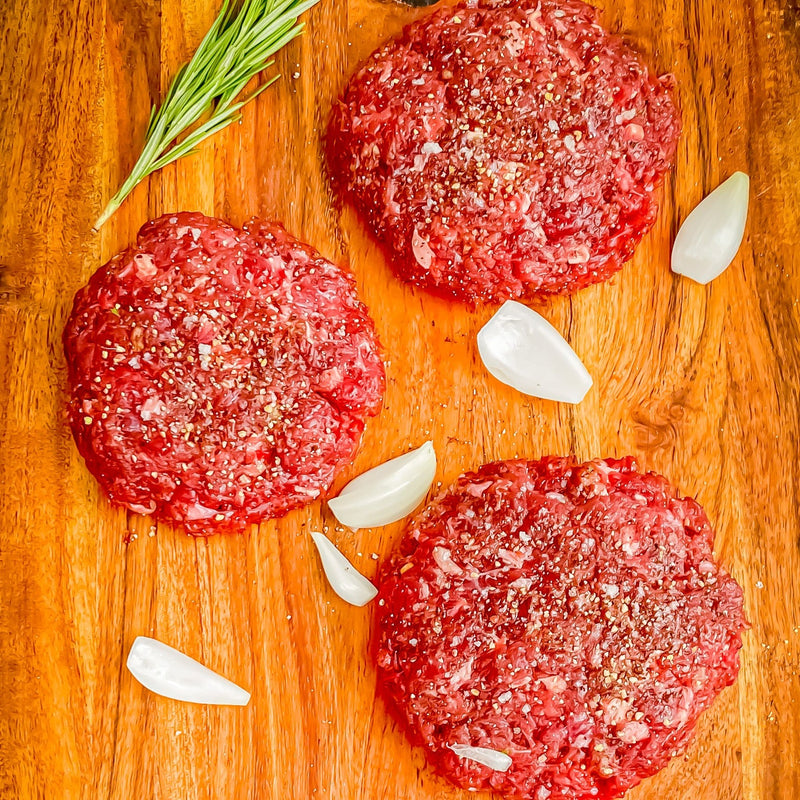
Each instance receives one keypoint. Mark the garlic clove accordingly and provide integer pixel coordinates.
(388, 492)
(166, 671)
(343, 577)
(711, 235)
(494, 759)
(522, 349)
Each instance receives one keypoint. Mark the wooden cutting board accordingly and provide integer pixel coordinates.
(700, 383)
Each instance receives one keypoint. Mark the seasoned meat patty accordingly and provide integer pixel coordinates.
(219, 376)
(569, 615)
(504, 149)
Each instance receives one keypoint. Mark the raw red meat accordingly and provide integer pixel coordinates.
(505, 148)
(219, 376)
(570, 615)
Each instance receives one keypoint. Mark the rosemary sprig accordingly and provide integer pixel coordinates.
(238, 46)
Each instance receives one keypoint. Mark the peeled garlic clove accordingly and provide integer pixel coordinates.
(388, 492)
(494, 759)
(711, 235)
(166, 671)
(343, 577)
(522, 349)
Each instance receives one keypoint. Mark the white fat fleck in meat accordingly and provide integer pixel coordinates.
(139, 508)
(615, 710)
(515, 40)
(307, 491)
(182, 230)
(430, 148)
(444, 560)
(557, 496)
(582, 740)
(421, 250)
(633, 732)
(510, 558)
(477, 489)
(534, 16)
(580, 255)
(630, 542)
(555, 683)
(150, 407)
(145, 266)
(634, 132)
(462, 674)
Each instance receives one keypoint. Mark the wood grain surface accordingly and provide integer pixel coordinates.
(700, 383)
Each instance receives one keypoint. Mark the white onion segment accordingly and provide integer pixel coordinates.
(711, 235)
(166, 671)
(522, 349)
(343, 577)
(494, 759)
(388, 492)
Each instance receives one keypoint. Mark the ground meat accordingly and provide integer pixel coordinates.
(219, 376)
(505, 148)
(570, 615)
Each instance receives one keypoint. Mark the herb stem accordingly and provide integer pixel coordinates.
(238, 45)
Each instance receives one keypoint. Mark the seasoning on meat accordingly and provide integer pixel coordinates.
(219, 376)
(502, 149)
(569, 615)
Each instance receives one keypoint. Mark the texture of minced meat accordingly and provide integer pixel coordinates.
(219, 376)
(502, 149)
(570, 615)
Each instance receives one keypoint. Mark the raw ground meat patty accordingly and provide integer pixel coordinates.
(502, 149)
(571, 615)
(219, 376)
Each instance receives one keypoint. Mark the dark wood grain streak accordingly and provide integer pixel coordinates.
(700, 383)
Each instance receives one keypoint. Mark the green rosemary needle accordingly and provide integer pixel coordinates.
(238, 46)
